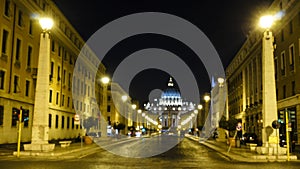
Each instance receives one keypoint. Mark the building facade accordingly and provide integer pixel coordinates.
(19, 44)
(244, 73)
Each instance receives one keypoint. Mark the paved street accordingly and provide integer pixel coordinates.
(187, 154)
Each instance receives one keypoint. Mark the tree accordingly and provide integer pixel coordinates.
(119, 126)
(229, 125)
(89, 123)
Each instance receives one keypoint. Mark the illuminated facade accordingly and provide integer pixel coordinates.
(244, 74)
(171, 110)
(19, 45)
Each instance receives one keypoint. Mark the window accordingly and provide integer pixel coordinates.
(65, 55)
(50, 121)
(69, 81)
(108, 98)
(6, 8)
(4, 41)
(30, 31)
(16, 84)
(50, 96)
(20, 18)
(29, 56)
(62, 122)
(1, 115)
(71, 60)
(51, 70)
(64, 77)
(293, 88)
(59, 50)
(82, 87)
(108, 108)
(108, 120)
(280, 6)
(2, 78)
(298, 18)
(27, 87)
(18, 49)
(44, 6)
(275, 68)
(73, 124)
(68, 103)
(58, 73)
(56, 121)
(282, 63)
(53, 46)
(68, 122)
(284, 91)
(291, 26)
(292, 57)
(282, 35)
(63, 100)
(57, 97)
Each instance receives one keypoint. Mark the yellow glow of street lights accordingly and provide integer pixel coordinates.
(266, 21)
(139, 111)
(206, 98)
(105, 80)
(133, 106)
(46, 23)
(124, 98)
(221, 80)
(200, 106)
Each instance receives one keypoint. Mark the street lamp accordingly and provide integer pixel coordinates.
(40, 129)
(104, 80)
(139, 111)
(269, 106)
(133, 106)
(200, 107)
(46, 24)
(124, 98)
(266, 21)
(206, 98)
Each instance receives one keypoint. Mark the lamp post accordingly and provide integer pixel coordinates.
(138, 122)
(124, 99)
(133, 114)
(200, 115)
(206, 107)
(40, 129)
(269, 106)
(104, 80)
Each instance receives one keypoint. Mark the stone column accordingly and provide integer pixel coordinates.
(40, 129)
(269, 107)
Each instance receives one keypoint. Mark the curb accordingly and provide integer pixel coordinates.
(240, 157)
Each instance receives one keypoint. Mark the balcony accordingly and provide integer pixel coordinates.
(17, 64)
(4, 57)
(34, 72)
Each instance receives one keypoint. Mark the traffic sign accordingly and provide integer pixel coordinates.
(239, 126)
(275, 124)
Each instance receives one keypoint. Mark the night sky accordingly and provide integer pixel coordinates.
(226, 23)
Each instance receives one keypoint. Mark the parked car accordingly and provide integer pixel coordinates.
(249, 138)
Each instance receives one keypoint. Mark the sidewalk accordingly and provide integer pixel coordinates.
(242, 154)
(75, 150)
